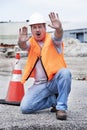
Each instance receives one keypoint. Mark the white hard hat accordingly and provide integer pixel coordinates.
(36, 18)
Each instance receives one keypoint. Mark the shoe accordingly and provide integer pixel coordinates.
(61, 114)
(53, 109)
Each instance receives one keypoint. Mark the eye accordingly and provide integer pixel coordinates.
(34, 27)
(39, 26)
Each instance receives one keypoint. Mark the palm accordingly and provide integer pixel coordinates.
(23, 34)
(55, 22)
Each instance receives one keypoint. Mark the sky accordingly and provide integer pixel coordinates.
(21, 10)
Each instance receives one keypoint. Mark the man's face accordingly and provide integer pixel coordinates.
(38, 31)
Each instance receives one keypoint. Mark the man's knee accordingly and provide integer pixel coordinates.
(67, 73)
(25, 108)
(64, 73)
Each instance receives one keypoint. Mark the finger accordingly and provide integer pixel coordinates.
(50, 25)
(19, 34)
(57, 15)
(24, 30)
(19, 31)
(51, 15)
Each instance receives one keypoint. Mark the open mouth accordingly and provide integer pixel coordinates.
(38, 33)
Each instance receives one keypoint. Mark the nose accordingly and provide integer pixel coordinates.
(37, 29)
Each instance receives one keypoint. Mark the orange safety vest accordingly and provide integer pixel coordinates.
(51, 60)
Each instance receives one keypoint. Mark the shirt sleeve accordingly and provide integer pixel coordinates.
(57, 42)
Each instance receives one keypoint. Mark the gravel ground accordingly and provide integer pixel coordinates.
(12, 119)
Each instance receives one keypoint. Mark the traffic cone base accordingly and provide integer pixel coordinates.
(15, 92)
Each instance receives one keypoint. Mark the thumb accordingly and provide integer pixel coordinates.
(50, 25)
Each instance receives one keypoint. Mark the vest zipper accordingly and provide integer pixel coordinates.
(42, 64)
(33, 68)
(43, 68)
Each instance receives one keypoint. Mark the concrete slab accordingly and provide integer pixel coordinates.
(11, 117)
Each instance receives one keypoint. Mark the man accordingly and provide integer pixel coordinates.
(47, 65)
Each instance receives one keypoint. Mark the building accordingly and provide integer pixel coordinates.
(9, 31)
(76, 30)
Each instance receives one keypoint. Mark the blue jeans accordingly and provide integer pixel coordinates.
(42, 96)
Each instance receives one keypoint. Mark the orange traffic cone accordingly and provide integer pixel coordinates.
(16, 89)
